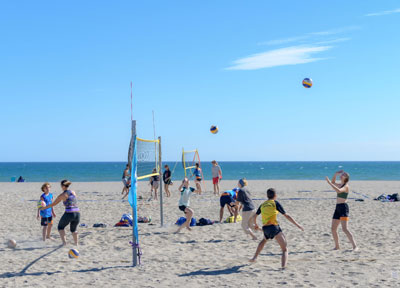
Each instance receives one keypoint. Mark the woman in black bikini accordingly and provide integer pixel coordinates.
(341, 215)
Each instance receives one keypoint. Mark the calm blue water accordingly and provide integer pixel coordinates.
(112, 171)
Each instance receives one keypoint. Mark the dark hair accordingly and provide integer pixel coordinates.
(271, 193)
(65, 183)
(166, 166)
(197, 164)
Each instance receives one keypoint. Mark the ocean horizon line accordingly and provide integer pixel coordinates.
(225, 161)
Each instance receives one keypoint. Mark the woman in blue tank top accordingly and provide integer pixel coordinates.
(71, 216)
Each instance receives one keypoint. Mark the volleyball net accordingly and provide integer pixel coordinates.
(189, 160)
(148, 153)
(144, 159)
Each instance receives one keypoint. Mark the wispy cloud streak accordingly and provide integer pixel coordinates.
(312, 36)
(279, 57)
(382, 13)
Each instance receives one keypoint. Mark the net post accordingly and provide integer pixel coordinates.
(183, 160)
(161, 182)
(134, 226)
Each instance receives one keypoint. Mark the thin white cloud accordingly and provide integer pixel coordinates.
(279, 57)
(335, 31)
(312, 36)
(338, 40)
(285, 40)
(382, 13)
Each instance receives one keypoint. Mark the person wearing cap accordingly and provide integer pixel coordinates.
(243, 197)
(228, 199)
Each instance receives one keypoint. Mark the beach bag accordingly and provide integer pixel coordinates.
(204, 222)
(182, 220)
(231, 219)
(122, 224)
(127, 218)
(394, 197)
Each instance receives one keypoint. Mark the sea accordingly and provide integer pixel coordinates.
(112, 171)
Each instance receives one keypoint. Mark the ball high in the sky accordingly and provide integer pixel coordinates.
(214, 129)
(307, 82)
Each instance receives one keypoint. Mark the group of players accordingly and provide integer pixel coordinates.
(236, 200)
(239, 198)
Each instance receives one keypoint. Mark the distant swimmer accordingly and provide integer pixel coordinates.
(197, 177)
(341, 215)
(243, 197)
(46, 216)
(167, 180)
(184, 203)
(228, 199)
(269, 210)
(71, 215)
(216, 176)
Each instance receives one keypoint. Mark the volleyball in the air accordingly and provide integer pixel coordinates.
(214, 129)
(73, 253)
(307, 82)
(41, 204)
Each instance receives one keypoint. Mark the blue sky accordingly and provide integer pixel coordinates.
(66, 69)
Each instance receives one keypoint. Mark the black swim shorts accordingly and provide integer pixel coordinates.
(226, 199)
(46, 220)
(270, 231)
(341, 212)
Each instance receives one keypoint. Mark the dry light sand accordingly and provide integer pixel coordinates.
(210, 256)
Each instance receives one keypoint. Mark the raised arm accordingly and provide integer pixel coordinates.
(61, 197)
(336, 188)
(335, 175)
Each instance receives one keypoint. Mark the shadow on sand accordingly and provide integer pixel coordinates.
(208, 272)
(23, 271)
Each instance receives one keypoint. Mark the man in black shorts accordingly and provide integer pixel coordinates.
(269, 210)
(228, 199)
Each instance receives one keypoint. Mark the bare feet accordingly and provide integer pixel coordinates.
(336, 248)
(355, 248)
(252, 260)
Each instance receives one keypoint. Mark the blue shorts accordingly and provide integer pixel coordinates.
(226, 199)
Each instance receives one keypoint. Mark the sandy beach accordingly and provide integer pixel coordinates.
(209, 256)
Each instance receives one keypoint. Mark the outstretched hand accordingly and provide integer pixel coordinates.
(327, 179)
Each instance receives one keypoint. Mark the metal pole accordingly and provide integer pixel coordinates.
(183, 161)
(134, 226)
(161, 182)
